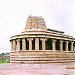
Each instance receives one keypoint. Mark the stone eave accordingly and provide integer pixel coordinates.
(46, 35)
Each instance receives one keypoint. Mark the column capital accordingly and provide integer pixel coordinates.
(23, 38)
(72, 41)
(61, 41)
(67, 41)
(54, 40)
(17, 39)
(29, 38)
(43, 39)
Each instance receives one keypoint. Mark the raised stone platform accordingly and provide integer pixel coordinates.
(42, 57)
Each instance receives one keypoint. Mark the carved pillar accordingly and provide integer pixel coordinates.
(53, 44)
(61, 45)
(30, 43)
(36, 43)
(43, 43)
(72, 46)
(67, 45)
(14, 45)
(18, 44)
(23, 44)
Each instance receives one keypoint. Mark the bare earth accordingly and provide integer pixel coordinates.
(36, 69)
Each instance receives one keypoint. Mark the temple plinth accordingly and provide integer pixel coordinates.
(37, 43)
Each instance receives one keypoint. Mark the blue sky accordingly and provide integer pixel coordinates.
(58, 14)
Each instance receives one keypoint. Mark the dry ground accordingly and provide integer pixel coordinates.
(36, 69)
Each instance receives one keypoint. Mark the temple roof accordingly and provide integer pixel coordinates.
(55, 30)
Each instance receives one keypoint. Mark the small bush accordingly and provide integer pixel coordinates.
(4, 61)
(8, 61)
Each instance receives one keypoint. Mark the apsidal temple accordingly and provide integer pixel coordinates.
(39, 44)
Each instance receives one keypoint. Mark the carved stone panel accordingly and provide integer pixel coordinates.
(34, 22)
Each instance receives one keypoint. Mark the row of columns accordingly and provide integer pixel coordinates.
(36, 43)
(13, 44)
(61, 45)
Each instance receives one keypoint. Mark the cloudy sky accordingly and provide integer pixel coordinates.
(58, 14)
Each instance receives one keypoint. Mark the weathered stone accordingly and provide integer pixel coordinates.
(35, 23)
(39, 44)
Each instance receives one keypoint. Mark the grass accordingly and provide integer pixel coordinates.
(4, 61)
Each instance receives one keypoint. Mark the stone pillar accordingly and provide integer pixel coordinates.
(36, 43)
(67, 45)
(18, 44)
(23, 44)
(30, 43)
(43, 43)
(14, 45)
(53, 44)
(61, 45)
(72, 45)
(11, 45)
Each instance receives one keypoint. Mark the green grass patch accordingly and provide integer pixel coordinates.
(4, 61)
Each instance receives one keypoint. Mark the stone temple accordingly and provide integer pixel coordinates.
(39, 44)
